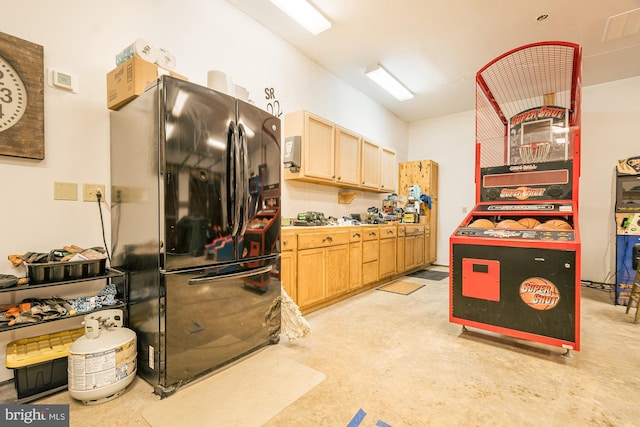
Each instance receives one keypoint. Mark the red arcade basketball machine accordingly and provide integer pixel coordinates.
(515, 259)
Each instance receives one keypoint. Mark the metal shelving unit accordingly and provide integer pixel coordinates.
(8, 392)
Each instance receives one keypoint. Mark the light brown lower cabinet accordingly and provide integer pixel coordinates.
(324, 263)
(370, 254)
(323, 259)
(355, 259)
(400, 250)
(337, 270)
(288, 264)
(388, 248)
(427, 247)
(414, 246)
(311, 283)
(433, 231)
(420, 260)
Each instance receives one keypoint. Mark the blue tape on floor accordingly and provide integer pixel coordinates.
(382, 424)
(357, 418)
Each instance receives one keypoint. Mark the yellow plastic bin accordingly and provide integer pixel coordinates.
(40, 363)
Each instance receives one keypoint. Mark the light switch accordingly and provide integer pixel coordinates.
(65, 191)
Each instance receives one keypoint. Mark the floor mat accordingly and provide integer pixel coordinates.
(247, 394)
(429, 274)
(400, 287)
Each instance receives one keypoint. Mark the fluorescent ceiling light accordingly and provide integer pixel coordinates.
(168, 130)
(388, 82)
(216, 144)
(178, 104)
(304, 14)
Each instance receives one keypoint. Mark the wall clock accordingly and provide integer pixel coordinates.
(21, 98)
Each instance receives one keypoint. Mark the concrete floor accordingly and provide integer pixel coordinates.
(399, 359)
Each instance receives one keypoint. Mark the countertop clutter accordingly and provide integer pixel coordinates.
(408, 210)
(326, 259)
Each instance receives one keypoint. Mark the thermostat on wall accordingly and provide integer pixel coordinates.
(62, 80)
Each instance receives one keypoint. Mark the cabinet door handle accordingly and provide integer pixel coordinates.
(389, 231)
(372, 233)
(356, 235)
(286, 242)
(328, 239)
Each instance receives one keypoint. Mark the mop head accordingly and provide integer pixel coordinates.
(294, 325)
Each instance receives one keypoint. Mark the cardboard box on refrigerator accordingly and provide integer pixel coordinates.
(130, 79)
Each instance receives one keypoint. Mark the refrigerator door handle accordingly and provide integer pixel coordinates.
(234, 162)
(253, 272)
(245, 178)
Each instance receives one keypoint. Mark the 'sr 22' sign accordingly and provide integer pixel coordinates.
(273, 105)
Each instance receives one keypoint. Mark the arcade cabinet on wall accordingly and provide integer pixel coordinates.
(515, 259)
(627, 226)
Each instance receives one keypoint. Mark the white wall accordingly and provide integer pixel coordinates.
(83, 38)
(610, 114)
(359, 116)
(450, 141)
(609, 132)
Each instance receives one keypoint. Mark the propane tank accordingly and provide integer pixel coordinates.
(102, 363)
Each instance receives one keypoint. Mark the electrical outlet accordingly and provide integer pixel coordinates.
(90, 191)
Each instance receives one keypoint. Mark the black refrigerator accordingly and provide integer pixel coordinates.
(195, 224)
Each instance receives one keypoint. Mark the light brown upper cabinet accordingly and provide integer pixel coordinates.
(370, 165)
(387, 170)
(347, 157)
(333, 155)
(317, 147)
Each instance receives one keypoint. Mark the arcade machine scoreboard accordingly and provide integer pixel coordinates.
(515, 258)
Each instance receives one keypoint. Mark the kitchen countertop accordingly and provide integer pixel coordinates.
(314, 227)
